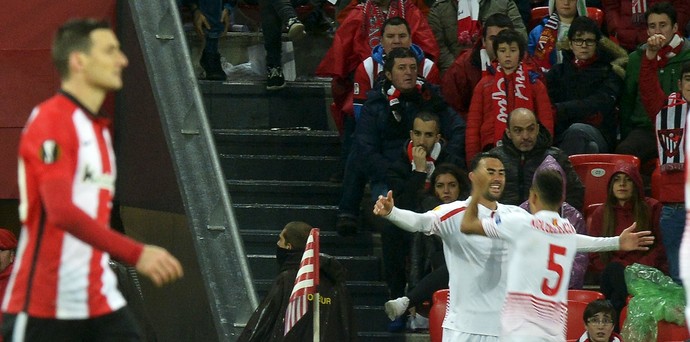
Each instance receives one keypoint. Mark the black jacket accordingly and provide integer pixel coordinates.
(520, 167)
(337, 319)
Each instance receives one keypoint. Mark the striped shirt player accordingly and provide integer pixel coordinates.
(66, 168)
(477, 276)
(367, 73)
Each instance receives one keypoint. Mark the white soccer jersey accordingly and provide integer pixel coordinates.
(541, 253)
(477, 276)
(684, 256)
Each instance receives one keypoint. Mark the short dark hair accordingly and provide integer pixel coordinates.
(296, 234)
(599, 306)
(510, 36)
(395, 21)
(498, 20)
(451, 169)
(662, 8)
(399, 52)
(427, 116)
(74, 35)
(584, 24)
(548, 183)
(483, 155)
(685, 69)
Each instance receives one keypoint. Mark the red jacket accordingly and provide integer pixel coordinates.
(619, 20)
(460, 79)
(656, 256)
(480, 124)
(672, 184)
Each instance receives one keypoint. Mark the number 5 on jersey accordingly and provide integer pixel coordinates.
(556, 267)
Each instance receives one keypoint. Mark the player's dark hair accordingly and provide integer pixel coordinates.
(74, 35)
(548, 184)
(483, 155)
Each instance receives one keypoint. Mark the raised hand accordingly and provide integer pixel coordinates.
(635, 241)
(384, 204)
(654, 43)
(419, 158)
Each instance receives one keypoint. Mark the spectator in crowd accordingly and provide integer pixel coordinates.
(627, 22)
(428, 270)
(625, 204)
(637, 130)
(211, 21)
(669, 116)
(524, 147)
(267, 323)
(383, 128)
(275, 16)
(599, 318)
(577, 273)
(512, 85)
(355, 38)
(585, 89)
(463, 75)
(457, 24)
(546, 38)
(8, 246)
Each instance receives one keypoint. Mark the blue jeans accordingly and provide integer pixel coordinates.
(582, 138)
(672, 226)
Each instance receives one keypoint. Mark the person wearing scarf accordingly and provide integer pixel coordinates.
(512, 85)
(585, 89)
(466, 71)
(544, 39)
(599, 317)
(669, 115)
(653, 72)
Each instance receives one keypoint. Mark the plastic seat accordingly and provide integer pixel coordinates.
(666, 331)
(595, 170)
(585, 296)
(538, 13)
(438, 314)
(575, 324)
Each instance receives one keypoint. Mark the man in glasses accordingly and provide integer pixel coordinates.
(584, 90)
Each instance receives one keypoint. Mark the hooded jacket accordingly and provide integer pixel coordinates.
(521, 166)
(581, 261)
(267, 323)
(589, 94)
(655, 256)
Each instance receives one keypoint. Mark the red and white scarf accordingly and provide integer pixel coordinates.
(638, 9)
(547, 42)
(468, 21)
(521, 97)
(393, 94)
(430, 160)
(671, 129)
(669, 50)
(614, 338)
(374, 18)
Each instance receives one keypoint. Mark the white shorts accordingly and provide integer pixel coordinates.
(458, 336)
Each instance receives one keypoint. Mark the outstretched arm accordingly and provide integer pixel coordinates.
(629, 240)
(405, 219)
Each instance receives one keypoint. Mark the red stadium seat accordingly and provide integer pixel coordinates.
(437, 314)
(538, 13)
(595, 170)
(585, 296)
(666, 332)
(576, 325)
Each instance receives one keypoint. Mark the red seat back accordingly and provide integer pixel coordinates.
(585, 296)
(437, 314)
(576, 325)
(595, 170)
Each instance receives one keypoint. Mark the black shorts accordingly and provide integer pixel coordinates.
(117, 326)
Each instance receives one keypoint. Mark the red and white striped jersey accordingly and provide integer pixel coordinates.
(540, 258)
(66, 180)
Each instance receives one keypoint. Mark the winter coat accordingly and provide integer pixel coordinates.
(520, 167)
(588, 95)
(480, 120)
(633, 113)
(624, 217)
(619, 20)
(459, 80)
(380, 138)
(443, 19)
(267, 323)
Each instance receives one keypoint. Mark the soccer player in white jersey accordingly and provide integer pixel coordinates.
(541, 252)
(685, 244)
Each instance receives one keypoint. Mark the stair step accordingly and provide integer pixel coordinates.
(247, 104)
(282, 168)
(361, 292)
(289, 142)
(258, 216)
(263, 242)
(287, 192)
(359, 268)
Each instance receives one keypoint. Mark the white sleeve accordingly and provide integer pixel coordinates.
(586, 243)
(411, 221)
